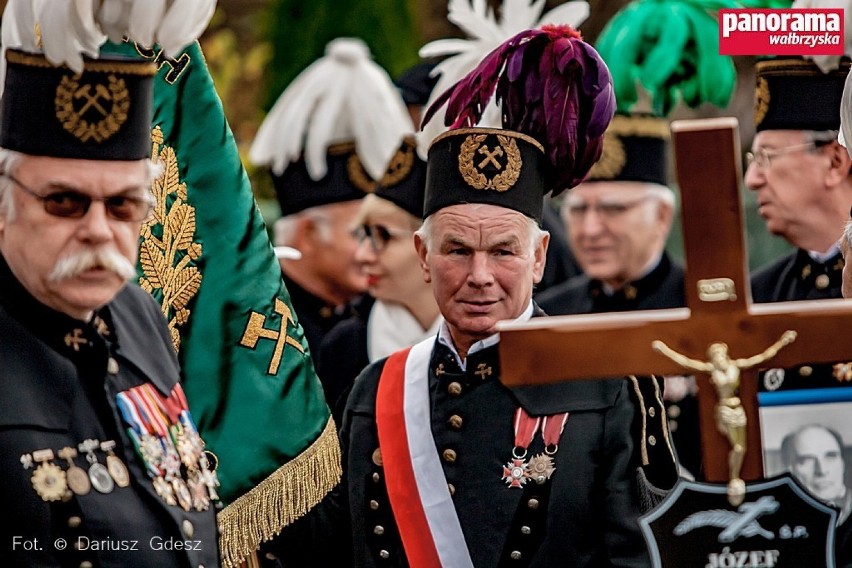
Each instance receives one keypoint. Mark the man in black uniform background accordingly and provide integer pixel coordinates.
(101, 461)
(618, 221)
(801, 177)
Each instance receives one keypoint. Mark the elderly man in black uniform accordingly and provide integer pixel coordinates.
(102, 464)
(618, 221)
(801, 178)
(443, 464)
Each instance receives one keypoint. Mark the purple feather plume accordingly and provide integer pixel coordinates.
(552, 86)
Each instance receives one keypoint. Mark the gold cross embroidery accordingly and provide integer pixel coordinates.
(483, 371)
(255, 331)
(75, 339)
(489, 156)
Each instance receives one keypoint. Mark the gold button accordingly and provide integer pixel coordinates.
(377, 457)
(112, 366)
(374, 505)
(652, 411)
(86, 564)
(376, 477)
(525, 530)
(188, 528)
(452, 488)
(806, 370)
(673, 411)
(672, 425)
(449, 455)
(515, 555)
(454, 388)
(652, 440)
(532, 504)
(822, 282)
(74, 522)
(455, 422)
(384, 554)
(270, 556)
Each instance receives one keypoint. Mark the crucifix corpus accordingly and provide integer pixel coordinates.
(720, 334)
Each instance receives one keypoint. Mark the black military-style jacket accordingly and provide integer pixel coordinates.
(60, 378)
(662, 288)
(586, 515)
(659, 289)
(794, 277)
(315, 315)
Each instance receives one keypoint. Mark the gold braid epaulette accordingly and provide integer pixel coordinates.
(287, 494)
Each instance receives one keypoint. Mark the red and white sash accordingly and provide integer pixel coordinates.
(421, 502)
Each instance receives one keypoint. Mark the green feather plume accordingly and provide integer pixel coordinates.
(671, 49)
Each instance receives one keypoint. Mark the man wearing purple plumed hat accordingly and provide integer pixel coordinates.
(444, 465)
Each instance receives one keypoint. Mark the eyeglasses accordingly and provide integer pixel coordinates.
(763, 157)
(606, 210)
(379, 235)
(73, 204)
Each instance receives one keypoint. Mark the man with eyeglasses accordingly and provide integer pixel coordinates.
(100, 459)
(801, 178)
(617, 223)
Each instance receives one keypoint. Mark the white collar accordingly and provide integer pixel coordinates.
(823, 256)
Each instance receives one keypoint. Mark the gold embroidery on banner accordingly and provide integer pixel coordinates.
(109, 103)
(255, 331)
(470, 169)
(167, 250)
(761, 100)
(176, 66)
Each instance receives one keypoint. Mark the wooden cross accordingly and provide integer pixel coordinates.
(719, 308)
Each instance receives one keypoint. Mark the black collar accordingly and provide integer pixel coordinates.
(633, 292)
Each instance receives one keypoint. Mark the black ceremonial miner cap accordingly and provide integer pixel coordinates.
(794, 94)
(347, 180)
(634, 149)
(103, 113)
(486, 165)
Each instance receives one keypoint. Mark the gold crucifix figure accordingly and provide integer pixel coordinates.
(730, 415)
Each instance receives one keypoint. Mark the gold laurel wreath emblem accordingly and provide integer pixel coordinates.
(168, 251)
(73, 100)
(612, 161)
(761, 100)
(475, 178)
(398, 169)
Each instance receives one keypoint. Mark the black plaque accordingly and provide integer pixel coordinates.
(778, 525)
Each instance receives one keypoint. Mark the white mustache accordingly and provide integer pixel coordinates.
(77, 263)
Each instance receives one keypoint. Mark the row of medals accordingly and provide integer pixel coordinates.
(165, 455)
(52, 483)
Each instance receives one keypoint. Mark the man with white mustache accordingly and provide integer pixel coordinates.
(114, 472)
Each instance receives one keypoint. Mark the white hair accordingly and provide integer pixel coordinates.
(847, 234)
(658, 194)
(9, 161)
(535, 234)
(285, 227)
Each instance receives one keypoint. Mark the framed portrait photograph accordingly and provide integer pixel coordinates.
(808, 433)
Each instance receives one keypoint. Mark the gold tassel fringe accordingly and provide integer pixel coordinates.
(287, 494)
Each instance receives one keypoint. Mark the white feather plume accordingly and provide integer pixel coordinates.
(828, 63)
(70, 29)
(485, 33)
(343, 96)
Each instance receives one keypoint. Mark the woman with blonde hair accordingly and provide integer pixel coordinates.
(403, 310)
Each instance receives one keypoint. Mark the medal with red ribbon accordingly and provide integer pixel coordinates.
(518, 471)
